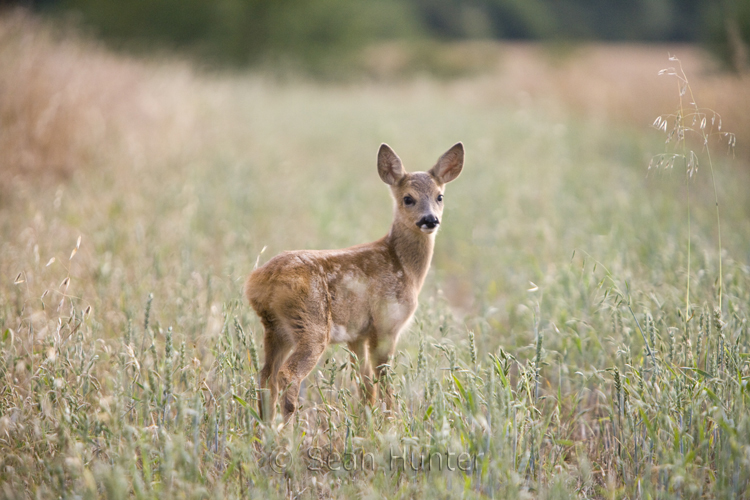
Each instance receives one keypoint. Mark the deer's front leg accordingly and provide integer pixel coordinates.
(381, 354)
(359, 349)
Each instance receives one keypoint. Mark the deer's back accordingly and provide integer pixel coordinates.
(353, 289)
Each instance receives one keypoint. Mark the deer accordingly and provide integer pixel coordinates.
(364, 295)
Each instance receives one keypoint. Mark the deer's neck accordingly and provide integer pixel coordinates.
(413, 250)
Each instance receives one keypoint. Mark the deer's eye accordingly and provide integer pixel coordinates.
(409, 201)
(440, 198)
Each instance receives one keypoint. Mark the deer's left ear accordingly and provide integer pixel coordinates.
(449, 165)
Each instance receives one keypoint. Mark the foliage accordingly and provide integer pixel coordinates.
(729, 32)
(553, 354)
(320, 34)
(312, 32)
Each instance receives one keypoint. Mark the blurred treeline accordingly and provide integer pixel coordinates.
(249, 31)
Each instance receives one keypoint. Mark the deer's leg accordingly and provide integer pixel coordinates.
(381, 352)
(367, 390)
(276, 347)
(300, 363)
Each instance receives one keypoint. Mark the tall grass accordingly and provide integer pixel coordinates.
(68, 105)
(705, 124)
(550, 356)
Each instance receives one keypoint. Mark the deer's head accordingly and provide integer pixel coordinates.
(419, 195)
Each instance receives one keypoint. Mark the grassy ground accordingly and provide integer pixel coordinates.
(137, 196)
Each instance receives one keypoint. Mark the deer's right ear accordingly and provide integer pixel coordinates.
(389, 165)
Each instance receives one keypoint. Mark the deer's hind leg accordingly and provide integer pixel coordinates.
(309, 325)
(300, 363)
(277, 345)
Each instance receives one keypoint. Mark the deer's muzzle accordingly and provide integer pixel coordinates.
(428, 223)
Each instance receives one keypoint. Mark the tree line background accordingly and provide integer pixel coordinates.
(249, 31)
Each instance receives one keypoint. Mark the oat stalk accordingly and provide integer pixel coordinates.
(705, 123)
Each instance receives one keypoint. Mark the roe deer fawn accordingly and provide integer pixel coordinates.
(363, 295)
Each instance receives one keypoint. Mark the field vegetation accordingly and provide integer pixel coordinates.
(318, 35)
(583, 332)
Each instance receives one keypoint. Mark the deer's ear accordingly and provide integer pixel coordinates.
(449, 165)
(389, 165)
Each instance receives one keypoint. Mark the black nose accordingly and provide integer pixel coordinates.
(428, 220)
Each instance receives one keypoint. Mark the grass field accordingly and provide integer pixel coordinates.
(557, 352)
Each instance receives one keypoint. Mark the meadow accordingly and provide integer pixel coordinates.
(583, 332)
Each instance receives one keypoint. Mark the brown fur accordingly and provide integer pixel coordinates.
(363, 295)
